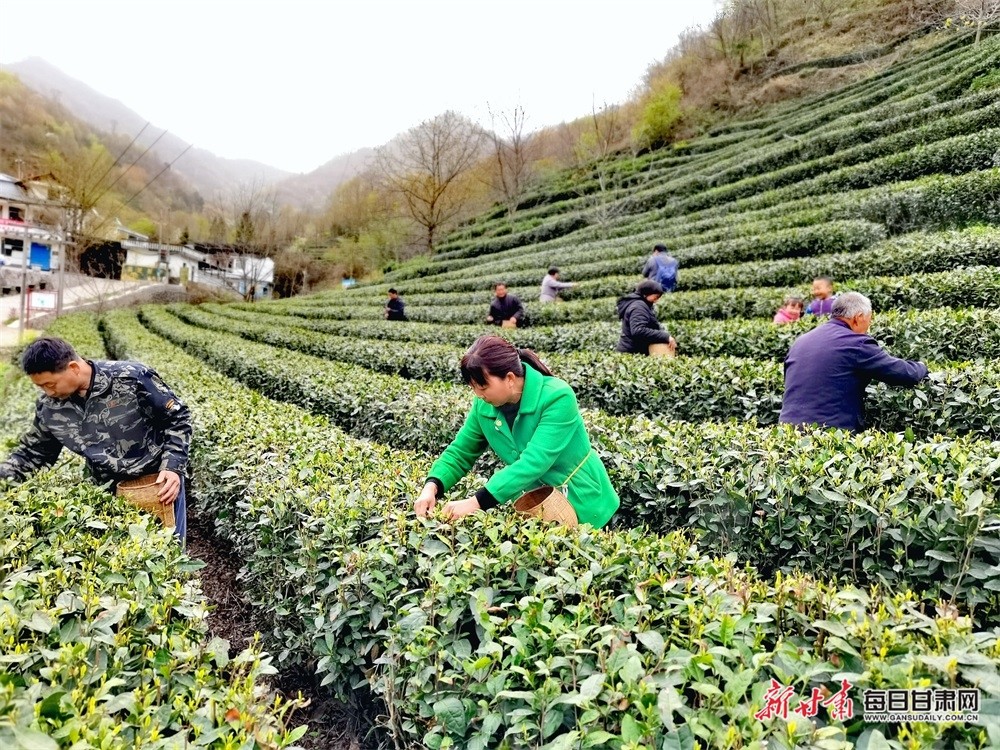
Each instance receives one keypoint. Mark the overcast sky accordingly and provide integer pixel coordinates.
(294, 83)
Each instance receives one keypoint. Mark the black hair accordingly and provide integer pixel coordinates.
(493, 355)
(647, 287)
(47, 354)
(498, 283)
(660, 246)
(553, 271)
(827, 279)
(393, 291)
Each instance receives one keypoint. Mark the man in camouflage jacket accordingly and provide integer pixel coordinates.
(120, 416)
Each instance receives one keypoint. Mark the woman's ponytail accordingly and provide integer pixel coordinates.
(530, 358)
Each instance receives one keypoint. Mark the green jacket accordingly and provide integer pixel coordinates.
(548, 444)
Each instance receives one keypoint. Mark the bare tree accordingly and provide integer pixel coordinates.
(253, 212)
(977, 13)
(606, 131)
(429, 166)
(513, 155)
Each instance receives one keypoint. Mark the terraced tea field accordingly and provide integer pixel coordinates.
(744, 552)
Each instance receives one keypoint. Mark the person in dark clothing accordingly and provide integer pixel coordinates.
(505, 308)
(120, 416)
(640, 328)
(828, 369)
(394, 308)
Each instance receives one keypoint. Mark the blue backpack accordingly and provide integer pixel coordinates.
(666, 272)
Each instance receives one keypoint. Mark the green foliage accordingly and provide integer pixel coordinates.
(498, 632)
(939, 335)
(660, 115)
(963, 399)
(986, 82)
(640, 455)
(104, 627)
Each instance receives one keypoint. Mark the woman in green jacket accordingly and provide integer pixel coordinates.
(531, 420)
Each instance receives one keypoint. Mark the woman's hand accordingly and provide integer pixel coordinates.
(460, 508)
(427, 500)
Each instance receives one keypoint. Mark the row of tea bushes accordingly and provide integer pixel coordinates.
(919, 252)
(698, 476)
(497, 632)
(961, 399)
(938, 335)
(929, 203)
(103, 627)
(849, 139)
(967, 287)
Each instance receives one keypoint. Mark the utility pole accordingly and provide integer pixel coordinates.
(63, 247)
(26, 244)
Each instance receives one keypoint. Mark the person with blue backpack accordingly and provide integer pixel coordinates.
(662, 268)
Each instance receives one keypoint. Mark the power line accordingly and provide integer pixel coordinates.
(165, 168)
(122, 154)
(125, 171)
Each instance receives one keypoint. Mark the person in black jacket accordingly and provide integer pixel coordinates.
(505, 308)
(640, 328)
(394, 308)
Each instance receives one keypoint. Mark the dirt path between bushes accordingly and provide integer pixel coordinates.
(332, 725)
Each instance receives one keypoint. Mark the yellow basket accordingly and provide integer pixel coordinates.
(142, 493)
(549, 504)
(509, 324)
(662, 350)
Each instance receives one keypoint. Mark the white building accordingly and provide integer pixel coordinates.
(29, 232)
(147, 260)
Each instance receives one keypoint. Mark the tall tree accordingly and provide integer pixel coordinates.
(252, 212)
(429, 166)
(513, 155)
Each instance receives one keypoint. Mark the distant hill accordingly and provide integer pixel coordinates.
(207, 173)
(312, 190)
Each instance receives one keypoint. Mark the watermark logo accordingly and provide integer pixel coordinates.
(777, 702)
(934, 705)
(916, 704)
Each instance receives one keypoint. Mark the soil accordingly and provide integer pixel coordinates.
(332, 725)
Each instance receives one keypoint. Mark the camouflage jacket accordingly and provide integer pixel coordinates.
(128, 425)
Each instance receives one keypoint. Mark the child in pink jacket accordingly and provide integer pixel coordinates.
(790, 311)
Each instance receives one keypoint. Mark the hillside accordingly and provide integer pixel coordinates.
(747, 557)
(42, 137)
(207, 173)
(213, 177)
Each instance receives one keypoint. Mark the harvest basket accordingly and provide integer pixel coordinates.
(549, 504)
(508, 324)
(662, 350)
(142, 493)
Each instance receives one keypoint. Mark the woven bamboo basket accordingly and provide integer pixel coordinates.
(509, 324)
(142, 493)
(549, 504)
(662, 350)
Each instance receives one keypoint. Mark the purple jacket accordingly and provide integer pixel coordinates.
(827, 371)
(820, 306)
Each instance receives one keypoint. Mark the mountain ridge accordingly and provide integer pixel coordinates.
(212, 175)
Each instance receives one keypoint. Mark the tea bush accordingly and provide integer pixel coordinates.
(103, 627)
(961, 399)
(668, 473)
(498, 632)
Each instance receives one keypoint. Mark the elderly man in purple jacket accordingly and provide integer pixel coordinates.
(828, 369)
